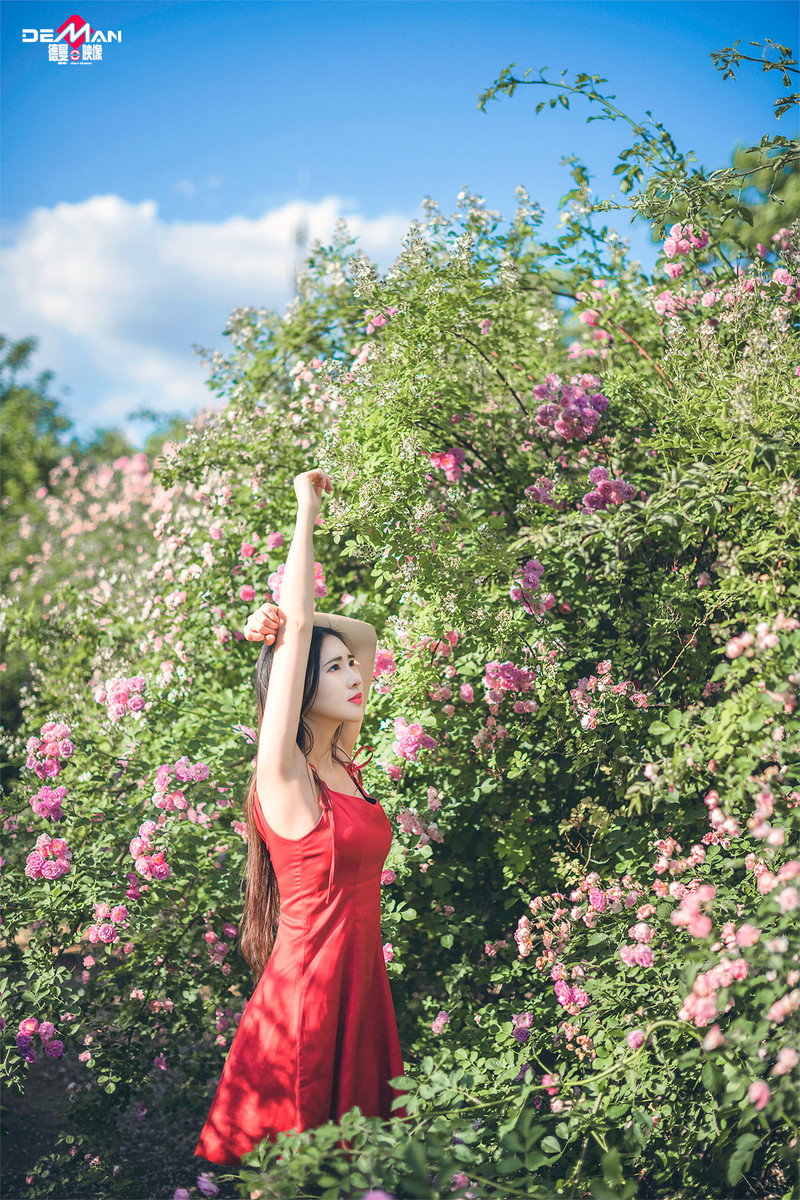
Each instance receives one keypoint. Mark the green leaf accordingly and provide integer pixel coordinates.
(742, 1157)
(612, 1167)
(508, 1166)
(710, 1076)
(601, 1191)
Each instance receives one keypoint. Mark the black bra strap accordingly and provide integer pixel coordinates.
(370, 799)
(356, 781)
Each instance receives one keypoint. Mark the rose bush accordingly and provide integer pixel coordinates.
(577, 536)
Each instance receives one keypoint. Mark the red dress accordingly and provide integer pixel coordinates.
(319, 1035)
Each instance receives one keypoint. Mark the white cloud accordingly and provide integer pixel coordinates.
(117, 295)
(186, 187)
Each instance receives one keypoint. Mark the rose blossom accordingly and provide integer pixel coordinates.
(758, 1094)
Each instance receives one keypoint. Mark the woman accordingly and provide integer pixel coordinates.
(318, 1035)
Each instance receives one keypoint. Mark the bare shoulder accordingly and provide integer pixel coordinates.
(289, 801)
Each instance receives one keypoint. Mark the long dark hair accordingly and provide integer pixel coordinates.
(261, 902)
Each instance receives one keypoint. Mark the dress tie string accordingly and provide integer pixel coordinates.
(328, 807)
(358, 767)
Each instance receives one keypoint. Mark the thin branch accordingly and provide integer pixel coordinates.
(496, 369)
(641, 350)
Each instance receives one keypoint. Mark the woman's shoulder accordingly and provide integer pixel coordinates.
(289, 803)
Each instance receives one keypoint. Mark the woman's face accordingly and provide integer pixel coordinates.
(339, 692)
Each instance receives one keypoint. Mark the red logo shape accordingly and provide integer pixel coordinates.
(75, 30)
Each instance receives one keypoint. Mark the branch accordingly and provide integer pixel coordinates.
(641, 350)
(495, 369)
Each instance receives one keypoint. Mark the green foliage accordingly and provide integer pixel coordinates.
(31, 423)
(612, 686)
(658, 180)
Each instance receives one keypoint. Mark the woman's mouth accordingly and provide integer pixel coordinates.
(355, 699)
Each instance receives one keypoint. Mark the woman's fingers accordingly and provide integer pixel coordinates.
(262, 624)
(318, 476)
(258, 634)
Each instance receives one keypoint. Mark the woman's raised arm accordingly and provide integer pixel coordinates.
(279, 757)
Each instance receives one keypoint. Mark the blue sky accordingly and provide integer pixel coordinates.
(147, 194)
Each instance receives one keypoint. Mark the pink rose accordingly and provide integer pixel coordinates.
(643, 956)
(713, 1038)
(747, 935)
(439, 1022)
(33, 865)
(699, 925)
(758, 1094)
(788, 1059)
(635, 1038)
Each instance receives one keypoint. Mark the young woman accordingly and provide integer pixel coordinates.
(318, 1035)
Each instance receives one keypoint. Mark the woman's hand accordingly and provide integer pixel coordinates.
(262, 625)
(309, 487)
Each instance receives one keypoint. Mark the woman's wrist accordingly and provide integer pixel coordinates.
(346, 625)
(305, 519)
